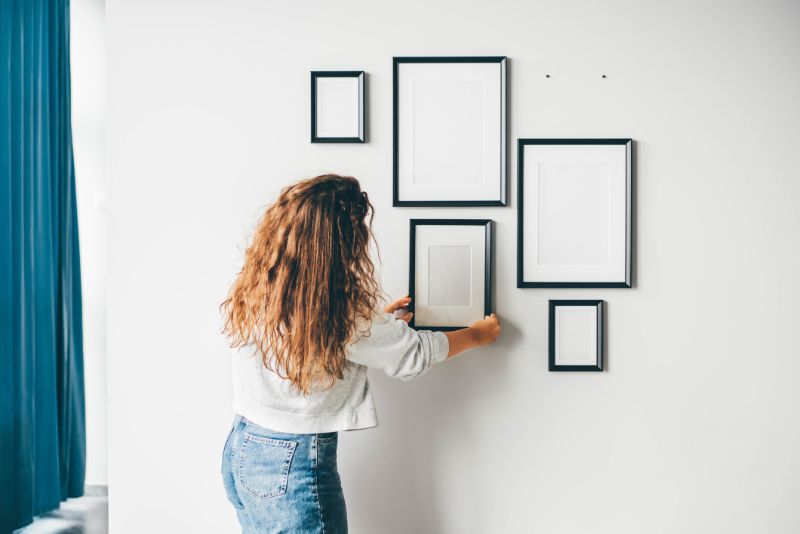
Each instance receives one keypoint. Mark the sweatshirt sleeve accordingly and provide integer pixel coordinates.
(397, 349)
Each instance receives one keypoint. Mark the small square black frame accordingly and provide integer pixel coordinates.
(338, 74)
(599, 304)
(487, 283)
(521, 143)
(396, 202)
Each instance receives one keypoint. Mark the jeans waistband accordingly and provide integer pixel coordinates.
(241, 421)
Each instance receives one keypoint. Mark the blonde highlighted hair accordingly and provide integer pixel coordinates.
(308, 282)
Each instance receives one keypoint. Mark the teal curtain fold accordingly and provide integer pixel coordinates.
(42, 416)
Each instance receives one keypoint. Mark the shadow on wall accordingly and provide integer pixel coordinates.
(392, 486)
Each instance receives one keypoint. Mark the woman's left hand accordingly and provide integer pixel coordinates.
(398, 305)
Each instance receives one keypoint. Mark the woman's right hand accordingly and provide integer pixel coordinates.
(486, 330)
(477, 334)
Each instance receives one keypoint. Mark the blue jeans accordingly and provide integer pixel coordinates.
(283, 483)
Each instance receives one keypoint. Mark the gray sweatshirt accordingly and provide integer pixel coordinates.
(263, 397)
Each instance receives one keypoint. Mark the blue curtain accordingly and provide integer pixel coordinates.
(42, 435)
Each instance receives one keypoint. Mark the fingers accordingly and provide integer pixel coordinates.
(492, 328)
(407, 317)
(398, 304)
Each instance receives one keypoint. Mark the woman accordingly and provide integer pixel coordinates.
(303, 310)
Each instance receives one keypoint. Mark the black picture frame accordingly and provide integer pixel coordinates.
(315, 74)
(598, 366)
(397, 61)
(487, 285)
(629, 222)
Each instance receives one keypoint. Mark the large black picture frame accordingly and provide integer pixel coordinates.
(627, 280)
(598, 366)
(362, 76)
(396, 200)
(487, 292)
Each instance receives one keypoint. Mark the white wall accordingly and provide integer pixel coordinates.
(87, 58)
(694, 428)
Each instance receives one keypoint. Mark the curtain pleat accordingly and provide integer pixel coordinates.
(42, 417)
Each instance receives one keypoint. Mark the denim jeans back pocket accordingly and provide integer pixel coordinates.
(264, 465)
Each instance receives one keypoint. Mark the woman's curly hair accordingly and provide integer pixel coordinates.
(308, 283)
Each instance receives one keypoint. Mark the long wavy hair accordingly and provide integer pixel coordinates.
(308, 284)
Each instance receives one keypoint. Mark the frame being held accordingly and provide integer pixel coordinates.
(450, 273)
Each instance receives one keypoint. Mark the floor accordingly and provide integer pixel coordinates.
(86, 515)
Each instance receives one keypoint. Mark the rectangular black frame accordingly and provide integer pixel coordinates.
(599, 304)
(487, 284)
(521, 143)
(396, 202)
(338, 74)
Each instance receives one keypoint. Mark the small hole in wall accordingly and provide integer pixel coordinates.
(546, 75)
(604, 75)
